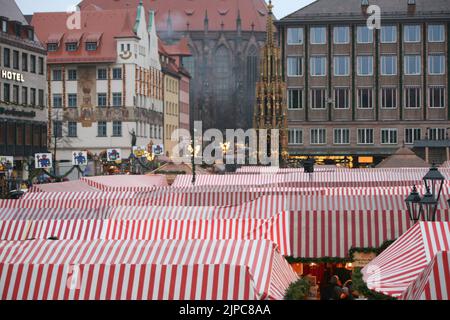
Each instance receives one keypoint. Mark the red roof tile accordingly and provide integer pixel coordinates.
(102, 25)
(192, 12)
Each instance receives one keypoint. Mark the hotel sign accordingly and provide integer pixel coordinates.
(11, 75)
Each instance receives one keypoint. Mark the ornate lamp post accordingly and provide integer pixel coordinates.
(428, 206)
(434, 181)
(413, 205)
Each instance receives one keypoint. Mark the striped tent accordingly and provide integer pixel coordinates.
(51, 214)
(126, 182)
(66, 229)
(69, 186)
(394, 270)
(433, 283)
(142, 270)
(11, 230)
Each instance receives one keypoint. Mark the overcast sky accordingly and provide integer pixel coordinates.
(282, 7)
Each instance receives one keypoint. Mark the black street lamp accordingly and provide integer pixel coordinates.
(434, 181)
(413, 205)
(428, 206)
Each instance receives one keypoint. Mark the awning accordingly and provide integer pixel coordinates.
(55, 38)
(143, 270)
(395, 269)
(127, 182)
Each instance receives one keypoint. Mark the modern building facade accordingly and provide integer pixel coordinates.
(225, 38)
(105, 83)
(23, 104)
(357, 94)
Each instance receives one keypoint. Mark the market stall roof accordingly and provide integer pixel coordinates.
(69, 186)
(142, 270)
(126, 182)
(404, 158)
(395, 269)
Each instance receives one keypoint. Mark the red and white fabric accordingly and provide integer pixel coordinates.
(396, 268)
(51, 214)
(126, 182)
(73, 203)
(69, 186)
(66, 229)
(433, 283)
(142, 270)
(11, 230)
(78, 195)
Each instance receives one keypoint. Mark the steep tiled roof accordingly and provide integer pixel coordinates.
(10, 10)
(352, 8)
(190, 14)
(104, 25)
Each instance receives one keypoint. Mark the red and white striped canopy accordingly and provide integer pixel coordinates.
(69, 186)
(50, 214)
(395, 269)
(434, 281)
(126, 182)
(142, 270)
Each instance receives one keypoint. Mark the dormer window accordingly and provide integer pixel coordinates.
(52, 47)
(72, 46)
(412, 2)
(30, 34)
(4, 25)
(91, 46)
(17, 30)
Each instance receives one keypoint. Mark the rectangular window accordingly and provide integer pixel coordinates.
(389, 136)
(102, 74)
(91, 46)
(412, 65)
(295, 136)
(72, 75)
(436, 64)
(101, 99)
(117, 99)
(295, 36)
(57, 75)
(436, 33)
(117, 128)
(6, 57)
(364, 35)
(71, 47)
(101, 129)
(57, 100)
(412, 135)
(294, 66)
(318, 98)
(389, 98)
(72, 129)
(341, 34)
(52, 47)
(16, 59)
(412, 33)
(365, 65)
(4, 26)
(57, 129)
(41, 97)
(318, 35)
(437, 97)
(32, 63)
(24, 95)
(24, 61)
(341, 136)
(412, 97)
(318, 66)
(7, 92)
(388, 65)
(295, 99)
(388, 34)
(15, 95)
(117, 73)
(341, 98)
(365, 136)
(33, 96)
(436, 134)
(341, 65)
(365, 98)
(41, 65)
(318, 136)
(72, 100)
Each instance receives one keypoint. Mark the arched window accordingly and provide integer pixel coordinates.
(222, 73)
(252, 67)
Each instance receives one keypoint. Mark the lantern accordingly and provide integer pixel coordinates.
(413, 205)
(434, 181)
(428, 206)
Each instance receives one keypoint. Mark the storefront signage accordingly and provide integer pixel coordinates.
(43, 160)
(11, 75)
(361, 259)
(114, 155)
(6, 163)
(17, 113)
(79, 158)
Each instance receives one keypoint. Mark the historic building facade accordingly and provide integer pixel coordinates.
(105, 83)
(356, 94)
(225, 38)
(23, 105)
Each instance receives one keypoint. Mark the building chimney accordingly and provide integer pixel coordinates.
(364, 6)
(411, 6)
